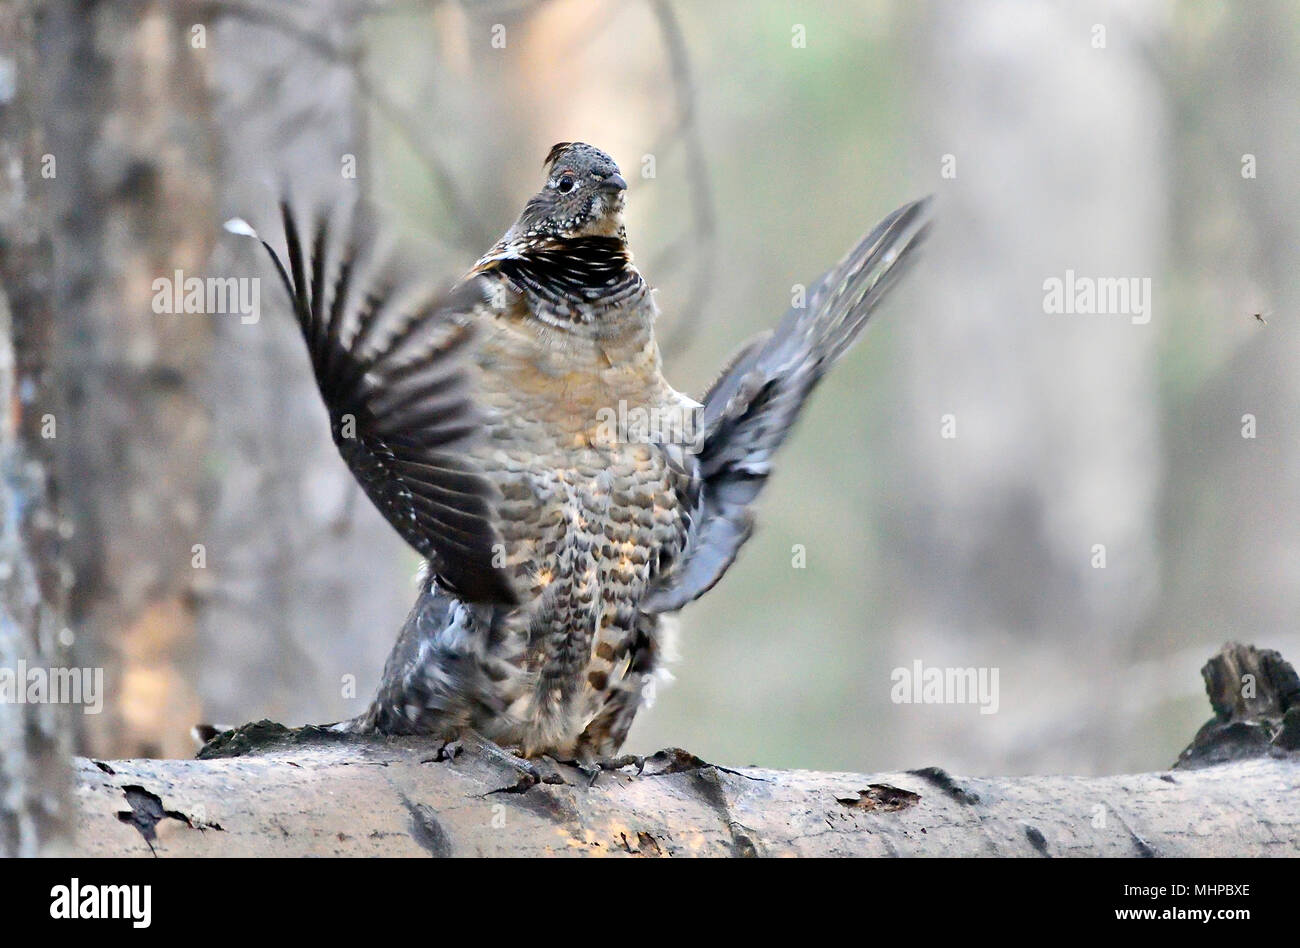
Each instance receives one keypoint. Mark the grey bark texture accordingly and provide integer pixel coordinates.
(34, 744)
(264, 790)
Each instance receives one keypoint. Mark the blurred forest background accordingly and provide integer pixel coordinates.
(771, 157)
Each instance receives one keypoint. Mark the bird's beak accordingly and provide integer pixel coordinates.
(614, 182)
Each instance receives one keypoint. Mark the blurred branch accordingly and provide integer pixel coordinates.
(700, 241)
(471, 234)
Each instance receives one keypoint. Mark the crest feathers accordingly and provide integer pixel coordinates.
(556, 150)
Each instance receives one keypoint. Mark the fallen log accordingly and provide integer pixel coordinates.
(266, 790)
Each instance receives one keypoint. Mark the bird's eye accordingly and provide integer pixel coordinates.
(566, 184)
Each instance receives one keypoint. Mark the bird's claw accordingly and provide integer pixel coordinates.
(542, 770)
(592, 767)
(552, 771)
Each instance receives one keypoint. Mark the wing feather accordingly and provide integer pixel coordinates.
(401, 402)
(749, 411)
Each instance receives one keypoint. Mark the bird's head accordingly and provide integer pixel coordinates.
(583, 195)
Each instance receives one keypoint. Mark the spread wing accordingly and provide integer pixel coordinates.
(392, 369)
(750, 410)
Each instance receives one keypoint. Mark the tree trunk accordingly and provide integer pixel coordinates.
(125, 102)
(34, 745)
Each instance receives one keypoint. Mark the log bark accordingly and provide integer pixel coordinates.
(266, 790)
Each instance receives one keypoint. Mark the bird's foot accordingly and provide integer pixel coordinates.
(529, 771)
(591, 768)
(581, 771)
(670, 760)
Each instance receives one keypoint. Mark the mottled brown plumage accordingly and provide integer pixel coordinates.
(487, 424)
